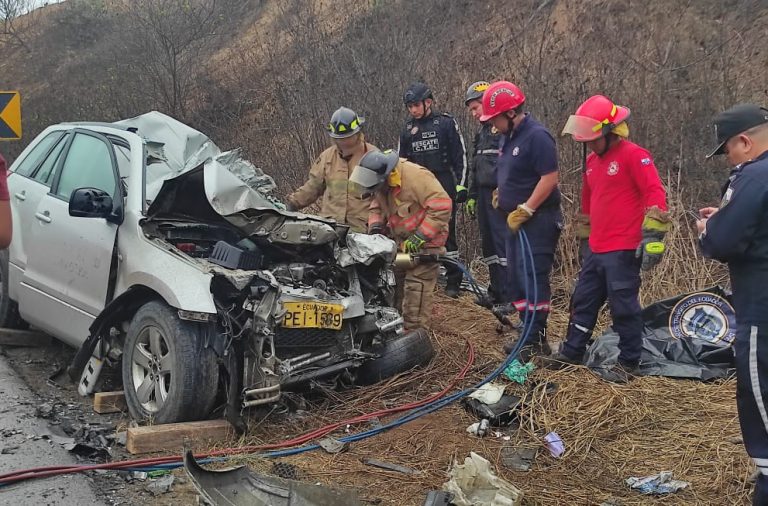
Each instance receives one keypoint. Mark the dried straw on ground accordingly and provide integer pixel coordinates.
(610, 432)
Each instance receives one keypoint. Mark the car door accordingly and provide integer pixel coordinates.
(66, 281)
(29, 181)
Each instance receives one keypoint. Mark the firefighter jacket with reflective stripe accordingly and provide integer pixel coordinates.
(485, 155)
(435, 142)
(342, 199)
(412, 201)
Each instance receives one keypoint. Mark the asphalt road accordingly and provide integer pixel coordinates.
(20, 449)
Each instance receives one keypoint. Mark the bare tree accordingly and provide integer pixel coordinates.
(14, 28)
(163, 44)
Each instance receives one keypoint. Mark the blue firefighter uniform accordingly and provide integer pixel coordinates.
(738, 235)
(435, 142)
(528, 153)
(492, 222)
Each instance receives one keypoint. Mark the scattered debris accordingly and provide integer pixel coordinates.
(131, 476)
(161, 485)
(93, 442)
(490, 393)
(239, 486)
(518, 459)
(438, 498)
(555, 444)
(285, 470)
(332, 445)
(388, 466)
(500, 414)
(45, 410)
(474, 482)
(518, 372)
(55, 438)
(657, 484)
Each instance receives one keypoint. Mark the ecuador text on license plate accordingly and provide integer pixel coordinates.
(313, 315)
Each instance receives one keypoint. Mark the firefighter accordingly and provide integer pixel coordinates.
(432, 139)
(329, 174)
(624, 213)
(737, 233)
(482, 176)
(411, 206)
(527, 180)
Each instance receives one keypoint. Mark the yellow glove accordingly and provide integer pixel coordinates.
(583, 228)
(516, 218)
(495, 198)
(657, 220)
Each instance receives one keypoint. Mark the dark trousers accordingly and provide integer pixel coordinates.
(453, 273)
(493, 232)
(751, 348)
(614, 276)
(543, 232)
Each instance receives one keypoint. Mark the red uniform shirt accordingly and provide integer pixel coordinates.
(618, 188)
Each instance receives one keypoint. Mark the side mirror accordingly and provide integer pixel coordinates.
(90, 203)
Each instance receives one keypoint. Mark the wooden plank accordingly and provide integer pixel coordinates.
(13, 337)
(109, 402)
(172, 436)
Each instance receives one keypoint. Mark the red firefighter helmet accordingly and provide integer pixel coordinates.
(500, 97)
(596, 117)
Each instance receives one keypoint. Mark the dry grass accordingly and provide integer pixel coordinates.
(610, 432)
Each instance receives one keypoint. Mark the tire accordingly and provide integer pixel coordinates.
(188, 390)
(9, 310)
(398, 355)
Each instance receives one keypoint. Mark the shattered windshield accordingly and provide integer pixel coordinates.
(173, 148)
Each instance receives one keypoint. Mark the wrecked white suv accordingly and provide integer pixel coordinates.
(142, 244)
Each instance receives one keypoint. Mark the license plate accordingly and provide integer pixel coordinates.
(315, 315)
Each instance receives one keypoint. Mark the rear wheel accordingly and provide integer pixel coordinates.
(9, 310)
(397, 355)
(168, 374)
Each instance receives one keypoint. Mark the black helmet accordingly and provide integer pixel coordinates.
(374, 168)
(344, 123)
(417, 92)
(475, 91)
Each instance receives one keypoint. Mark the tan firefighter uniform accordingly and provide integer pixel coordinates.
(414, 201)
(329, 177)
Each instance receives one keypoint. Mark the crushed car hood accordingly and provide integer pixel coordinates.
(233, 184)
(186, 170)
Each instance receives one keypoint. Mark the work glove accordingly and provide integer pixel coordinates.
(414, 243)
(461, 194)
(583, 229)
(495, 198)
(516, 218)
(471, 207)
(651, 249)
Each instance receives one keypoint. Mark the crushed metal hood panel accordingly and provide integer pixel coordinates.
(688, 336)
(187, 175)
(241, 487)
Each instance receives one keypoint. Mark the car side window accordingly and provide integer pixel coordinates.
(33, 159)
(45, 173)
(88, 164)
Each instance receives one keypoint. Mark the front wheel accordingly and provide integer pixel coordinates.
(168, 374)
